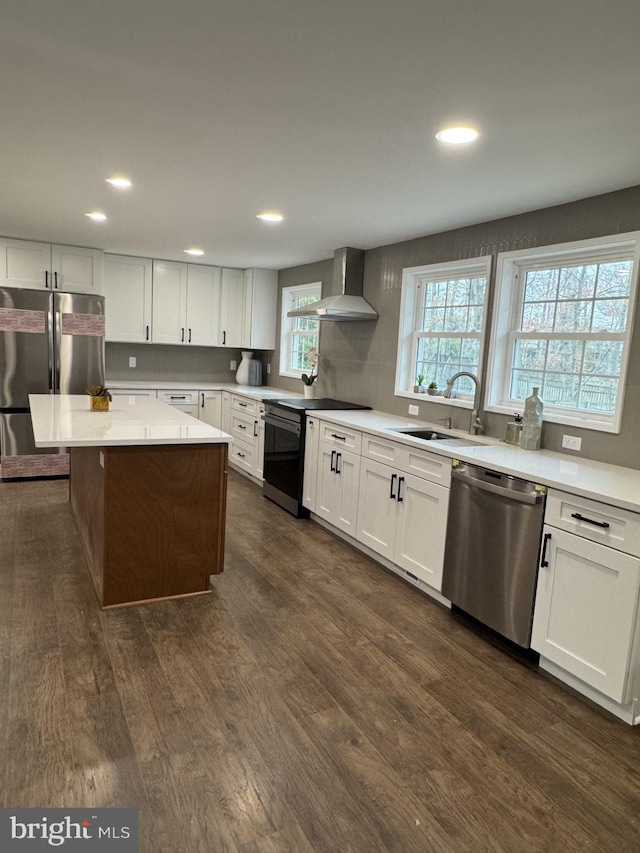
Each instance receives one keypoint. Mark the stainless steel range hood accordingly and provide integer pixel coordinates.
(346, 301)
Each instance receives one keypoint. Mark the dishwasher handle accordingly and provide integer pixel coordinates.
(521, 497)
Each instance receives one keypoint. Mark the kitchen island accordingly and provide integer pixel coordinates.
(148, 493)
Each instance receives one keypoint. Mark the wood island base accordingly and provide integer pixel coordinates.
(151, 518)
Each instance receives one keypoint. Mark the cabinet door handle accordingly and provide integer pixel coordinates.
(46, 279)
(202, 404)
(333, 466)
(391, 492)
(543, 561)
(55, 278)
(338, 458)
(255, 429)
(183, 335)
(224, 338)
(189, 335)
(603, 524)
(147, 333)
(400, 482)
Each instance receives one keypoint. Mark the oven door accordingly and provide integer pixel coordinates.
(283, 454)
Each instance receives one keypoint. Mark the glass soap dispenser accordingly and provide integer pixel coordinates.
(532, 422)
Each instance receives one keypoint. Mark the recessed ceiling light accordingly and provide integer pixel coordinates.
(270, 216)
(97, 216)
(119, 182)
(196, 252)
(457, 135)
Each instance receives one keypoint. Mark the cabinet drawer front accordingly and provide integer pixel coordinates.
(608, 525)
(380, 449)
(422, 463)
(179, 398)
(242, 455)
(244, 428)
(340, 436)
(244, 404)
(138, 392)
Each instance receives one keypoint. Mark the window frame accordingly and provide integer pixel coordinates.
(409, 335)
(287, 325)
(511, 272)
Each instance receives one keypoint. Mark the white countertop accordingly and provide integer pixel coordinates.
(65, 420)
(261, 392)
(611, 484)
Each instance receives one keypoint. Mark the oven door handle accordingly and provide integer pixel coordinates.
(282, 423)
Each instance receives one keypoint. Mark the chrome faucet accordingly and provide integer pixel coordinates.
(475, 426)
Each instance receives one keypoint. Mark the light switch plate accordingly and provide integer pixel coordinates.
(571, 442)
(414, 410)
(233, 365)
(132, 361)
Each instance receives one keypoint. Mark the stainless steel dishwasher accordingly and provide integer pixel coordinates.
(492, 548)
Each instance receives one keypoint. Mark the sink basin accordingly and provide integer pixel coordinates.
(425, 434)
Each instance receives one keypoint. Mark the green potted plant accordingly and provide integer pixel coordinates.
(100, 398)
(309, 378)
(419, 388)
(432, 389)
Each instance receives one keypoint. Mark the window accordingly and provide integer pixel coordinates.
(297, 335)
(562, 323)
(442, 322)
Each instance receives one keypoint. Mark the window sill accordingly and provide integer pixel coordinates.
(459, 402)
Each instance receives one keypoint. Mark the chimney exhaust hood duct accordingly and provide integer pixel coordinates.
(347, 302)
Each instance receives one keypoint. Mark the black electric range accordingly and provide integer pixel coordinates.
(284, 446)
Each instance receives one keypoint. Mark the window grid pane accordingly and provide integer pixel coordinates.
(452, 310)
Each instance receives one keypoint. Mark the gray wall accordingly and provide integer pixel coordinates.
(173, 363)
(358, 359)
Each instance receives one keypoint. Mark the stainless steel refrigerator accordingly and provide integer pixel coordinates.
(50, 343)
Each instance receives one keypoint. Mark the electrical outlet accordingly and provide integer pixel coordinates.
(233, 364)
(268, 367)
(414, 410)
(132, 361)
(571, 442)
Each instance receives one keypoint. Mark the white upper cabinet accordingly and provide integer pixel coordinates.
(41, 266)
(232, 309)
(203, 305)
(127, 288)
(169, 303)
(260, 299)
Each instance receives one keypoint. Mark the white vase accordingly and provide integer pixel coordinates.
(242, 373)
(309, 391)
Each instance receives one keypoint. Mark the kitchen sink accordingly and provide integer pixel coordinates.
(425, 434)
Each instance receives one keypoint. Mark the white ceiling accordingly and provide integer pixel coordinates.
(322, 109)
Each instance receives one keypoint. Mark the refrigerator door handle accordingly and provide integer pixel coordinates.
(51, 350)
(57, 341)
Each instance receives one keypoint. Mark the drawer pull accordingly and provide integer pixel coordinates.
(603, 524)
(241, 455)
(543, 560)
(177, 398)
(241, 426)
(340, 437)
(244, 405)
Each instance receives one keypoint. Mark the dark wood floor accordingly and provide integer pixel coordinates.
(314, 702)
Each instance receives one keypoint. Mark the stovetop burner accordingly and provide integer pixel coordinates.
(303, 403)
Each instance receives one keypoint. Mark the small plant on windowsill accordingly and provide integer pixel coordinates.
(432, 389)
(419, 388)
(309, 378)
(100, 398)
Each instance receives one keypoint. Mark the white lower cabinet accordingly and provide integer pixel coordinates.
(185, 401)
(133, 392)
(211, 408)
(585, 617)
(403, 518)
(312, 443)
(337, 487)
(245, 420)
